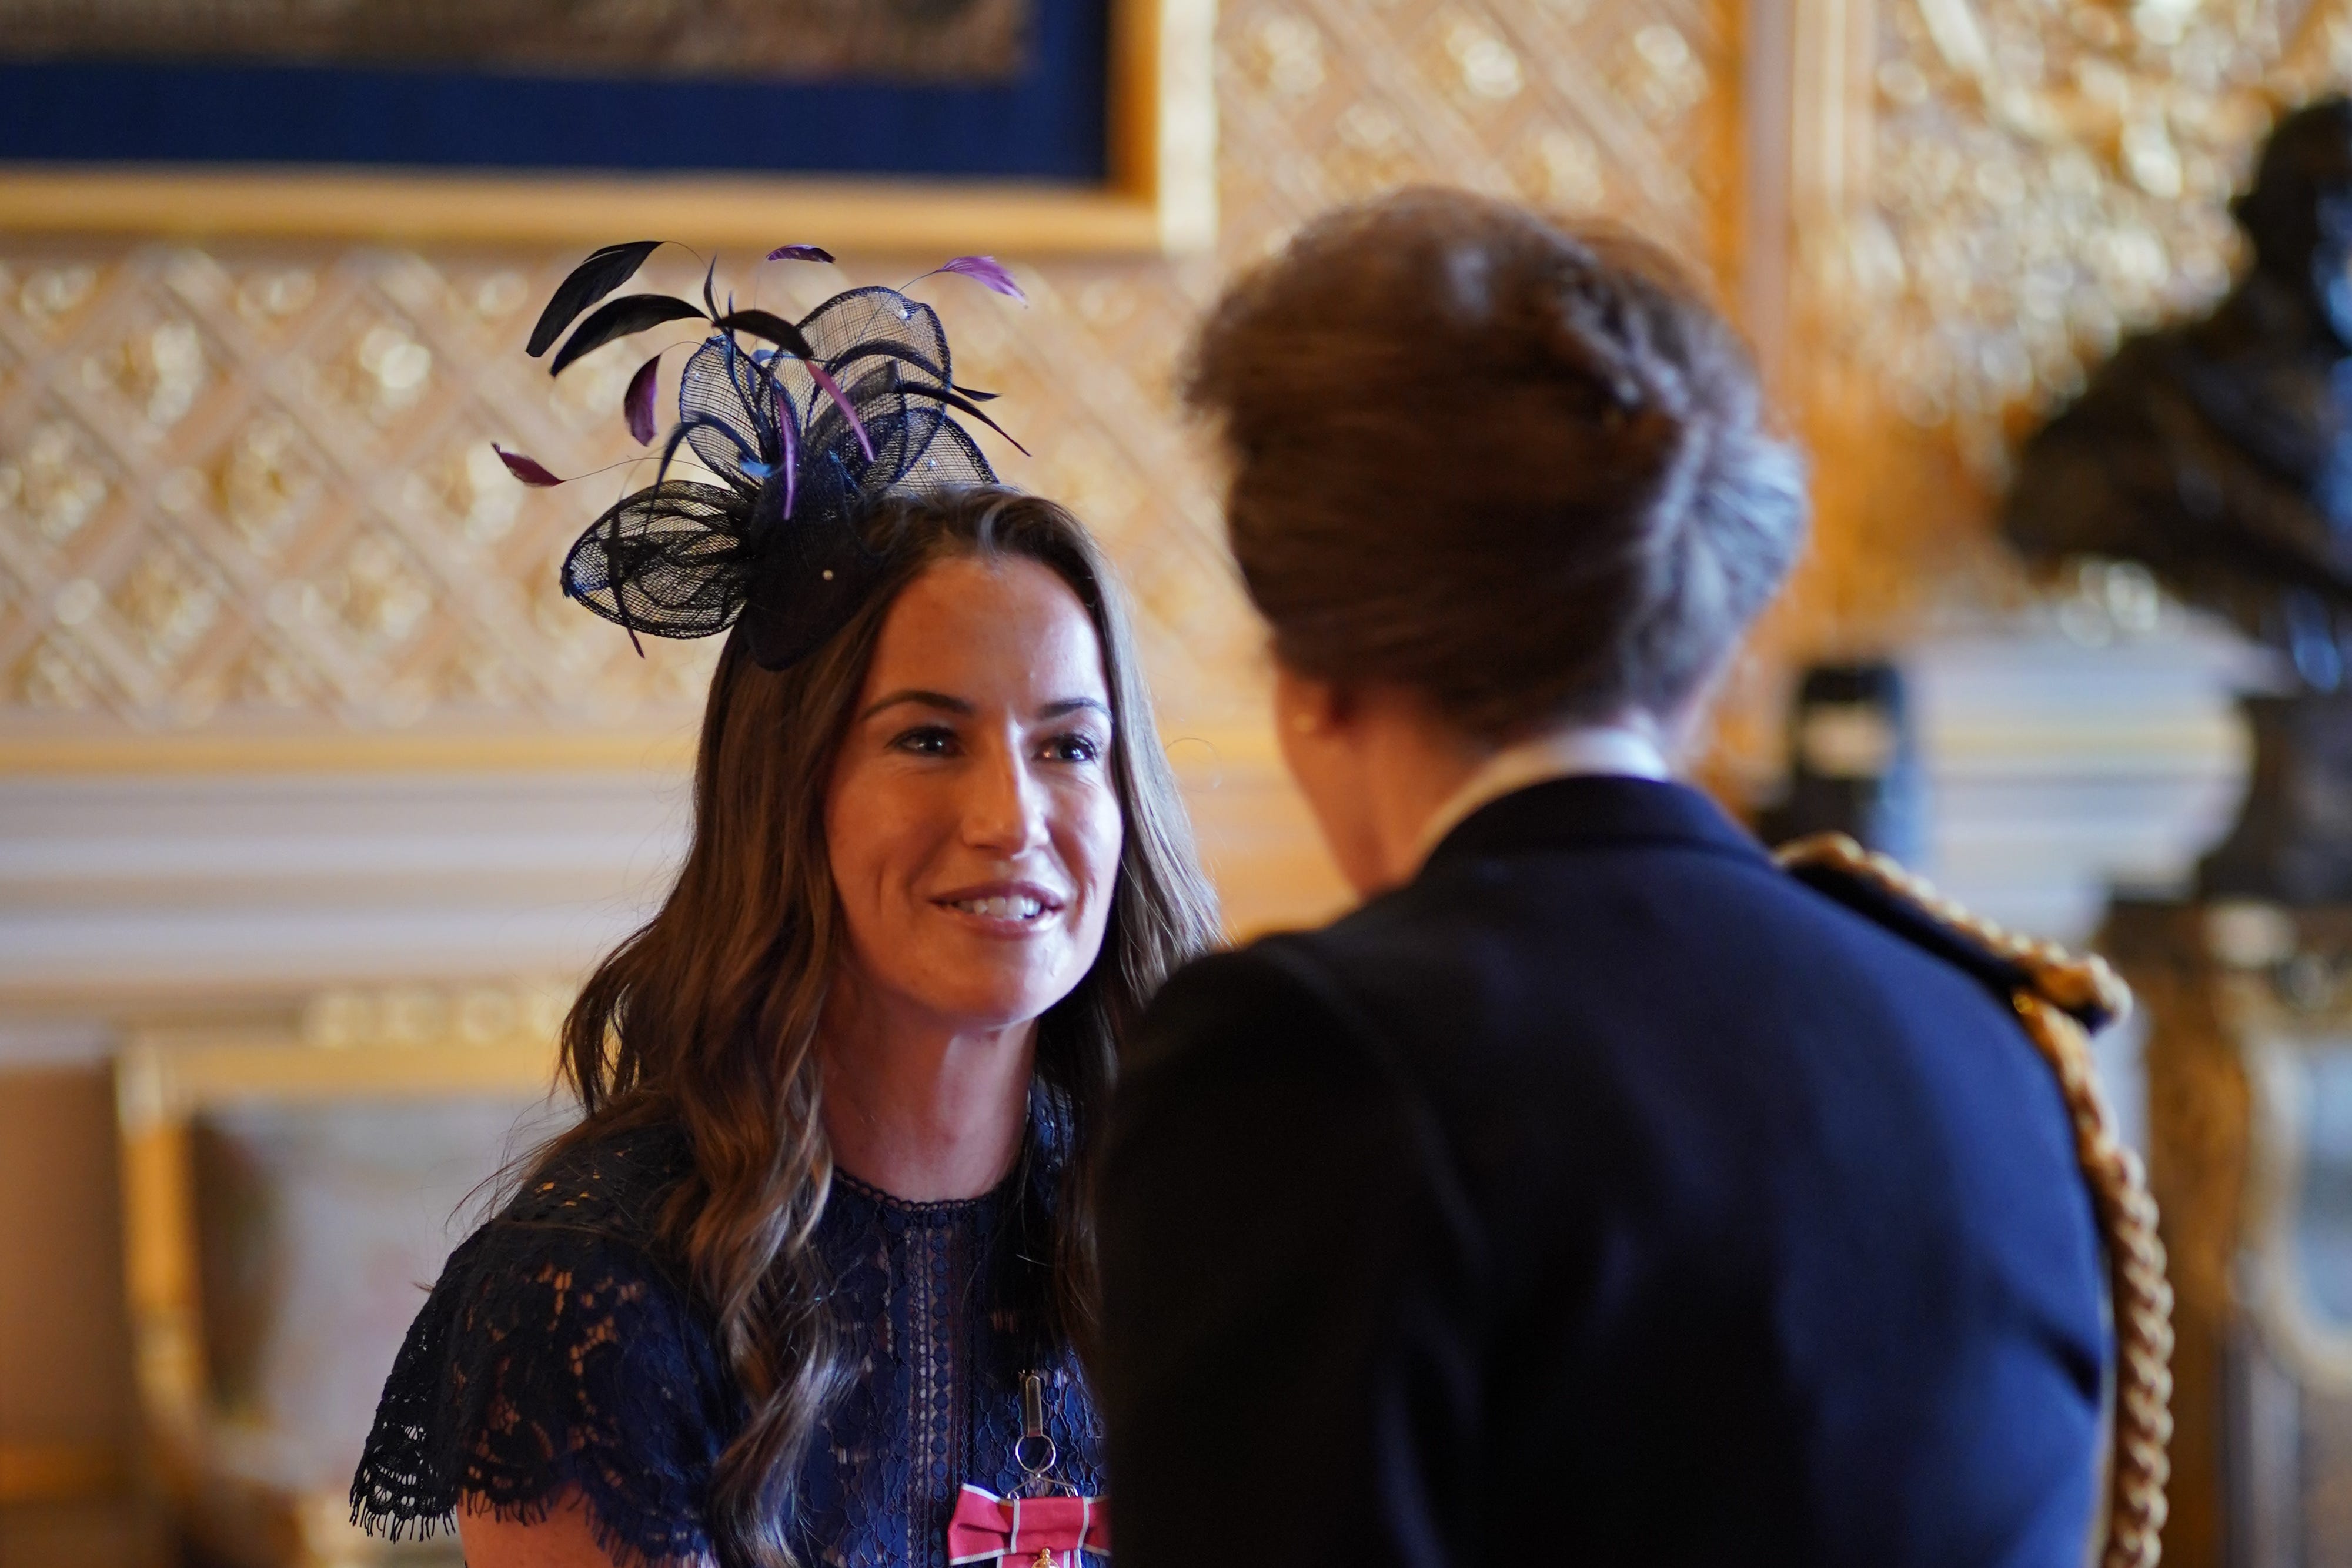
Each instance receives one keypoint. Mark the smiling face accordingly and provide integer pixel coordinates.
(972, 821)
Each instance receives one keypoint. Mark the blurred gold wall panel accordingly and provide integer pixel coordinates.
(249, 520)
(65, 1372)
(246, 489)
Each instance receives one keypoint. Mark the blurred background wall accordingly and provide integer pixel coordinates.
(289, 700)
(292, 716)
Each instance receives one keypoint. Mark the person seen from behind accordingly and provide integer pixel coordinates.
(1597, 1191)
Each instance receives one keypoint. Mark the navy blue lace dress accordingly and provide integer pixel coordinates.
(562, 1351)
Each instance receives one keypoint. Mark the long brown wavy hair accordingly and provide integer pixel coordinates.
(706, 1018)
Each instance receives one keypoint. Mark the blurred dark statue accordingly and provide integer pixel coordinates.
(2218, 453)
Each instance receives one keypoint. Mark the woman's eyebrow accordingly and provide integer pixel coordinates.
(1069, 706)
(921, 699)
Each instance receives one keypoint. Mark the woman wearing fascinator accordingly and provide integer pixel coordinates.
(807, 1282)
(1602, 1190)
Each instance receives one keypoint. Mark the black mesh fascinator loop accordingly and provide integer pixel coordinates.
(805, 425)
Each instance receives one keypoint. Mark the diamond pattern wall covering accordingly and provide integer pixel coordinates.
(2029, 181)
(248, 490)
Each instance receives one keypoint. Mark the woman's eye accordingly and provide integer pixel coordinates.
(931, 740)
(1073, 748)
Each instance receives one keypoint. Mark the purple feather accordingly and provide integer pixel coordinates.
(824, 378)
(988, 272)
(529, 470)
(789, 438)
(800, 253)
(637, 403)
(792, 443)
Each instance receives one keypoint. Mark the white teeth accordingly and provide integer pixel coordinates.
(1002, 908)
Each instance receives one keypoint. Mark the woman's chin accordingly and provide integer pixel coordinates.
(994, 997)
(996, 973)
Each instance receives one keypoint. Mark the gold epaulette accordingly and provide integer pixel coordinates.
(2061, 999)
(2083, 986)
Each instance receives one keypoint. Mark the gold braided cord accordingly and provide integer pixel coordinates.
(2058, 986)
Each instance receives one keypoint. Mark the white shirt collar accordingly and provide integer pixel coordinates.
(1585, 750)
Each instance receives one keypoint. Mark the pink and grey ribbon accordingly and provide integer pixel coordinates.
(1027, 1532)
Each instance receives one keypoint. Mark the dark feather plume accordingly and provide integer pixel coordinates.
(594, 278)
(629, 314)
(768, 325)
(849, 407)
(878, 351)
(941, 395)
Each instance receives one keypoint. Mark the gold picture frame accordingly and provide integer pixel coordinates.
(1161, 196)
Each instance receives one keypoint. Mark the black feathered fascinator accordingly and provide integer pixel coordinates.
(805, 425)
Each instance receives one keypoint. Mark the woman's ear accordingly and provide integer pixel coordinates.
(1318, 725)
(1306, 706)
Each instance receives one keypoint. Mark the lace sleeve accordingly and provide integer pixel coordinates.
(550, 1360)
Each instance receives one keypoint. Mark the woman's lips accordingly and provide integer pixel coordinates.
(1000, 907)
(1011, 906)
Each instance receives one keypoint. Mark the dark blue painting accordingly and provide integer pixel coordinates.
(957, 88)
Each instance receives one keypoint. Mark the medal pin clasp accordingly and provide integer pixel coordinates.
(1034, 1452)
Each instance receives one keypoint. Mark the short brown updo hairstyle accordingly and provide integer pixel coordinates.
(1520, 468)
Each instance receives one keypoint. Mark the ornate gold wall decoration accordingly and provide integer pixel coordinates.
(246, 489)
(1993, 192)
(2045, 179)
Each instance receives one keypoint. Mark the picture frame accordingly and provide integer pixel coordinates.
(1157, 193)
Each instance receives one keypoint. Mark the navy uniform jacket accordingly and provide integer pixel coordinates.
(1607, 1197)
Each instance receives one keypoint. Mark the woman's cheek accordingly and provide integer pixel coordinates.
(1107, 837)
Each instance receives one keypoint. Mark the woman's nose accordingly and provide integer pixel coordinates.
(1004, 808)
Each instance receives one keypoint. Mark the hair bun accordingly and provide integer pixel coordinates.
(1514, 467)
